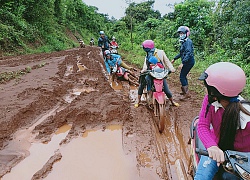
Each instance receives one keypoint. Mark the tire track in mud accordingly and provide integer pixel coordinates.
(88, 105)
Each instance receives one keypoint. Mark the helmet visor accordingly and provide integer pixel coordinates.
(203, 76)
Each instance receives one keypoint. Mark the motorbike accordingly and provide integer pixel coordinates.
(91, 43)
(114, 49)
(158, 96)
(124, 74)
(82, 45)
(237, 163)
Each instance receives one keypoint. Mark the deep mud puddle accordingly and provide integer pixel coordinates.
(98, 154)
(39, 154)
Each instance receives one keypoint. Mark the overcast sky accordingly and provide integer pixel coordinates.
(117, 8)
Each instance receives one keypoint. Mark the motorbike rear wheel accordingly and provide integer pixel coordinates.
(161, 117)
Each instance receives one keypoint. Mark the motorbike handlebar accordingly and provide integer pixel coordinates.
(201, 152)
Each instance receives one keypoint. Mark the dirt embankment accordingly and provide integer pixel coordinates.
(70, 88)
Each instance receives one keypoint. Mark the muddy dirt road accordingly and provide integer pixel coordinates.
(64, 120)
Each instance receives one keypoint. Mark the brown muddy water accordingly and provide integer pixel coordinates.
(39, 153)
(98, 154)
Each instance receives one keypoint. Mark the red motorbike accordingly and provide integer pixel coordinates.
(158, 96)
(237, 163)
(124, 74)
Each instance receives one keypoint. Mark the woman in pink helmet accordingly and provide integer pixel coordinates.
(151, 52)
(223, 111)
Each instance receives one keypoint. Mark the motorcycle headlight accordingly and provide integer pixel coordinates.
(243, 173)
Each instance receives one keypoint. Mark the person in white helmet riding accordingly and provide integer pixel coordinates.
(114, 43)
(224, 120)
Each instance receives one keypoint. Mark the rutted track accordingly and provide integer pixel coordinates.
(71, 90)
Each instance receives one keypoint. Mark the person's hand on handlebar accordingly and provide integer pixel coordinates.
(216, 154)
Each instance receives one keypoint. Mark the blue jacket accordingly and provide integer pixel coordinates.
(186, 52)
(114, 58)
(104, 42)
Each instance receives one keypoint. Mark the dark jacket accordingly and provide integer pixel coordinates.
(103, 42)
(186, 52)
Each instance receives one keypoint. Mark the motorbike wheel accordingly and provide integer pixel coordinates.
(161, 120)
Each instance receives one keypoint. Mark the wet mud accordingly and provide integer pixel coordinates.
(66, 120)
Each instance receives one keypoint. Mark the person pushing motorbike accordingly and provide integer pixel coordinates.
(149, 47)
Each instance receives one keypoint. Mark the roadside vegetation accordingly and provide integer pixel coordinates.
(219, 29)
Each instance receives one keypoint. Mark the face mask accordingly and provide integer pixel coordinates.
(146, 49)
(183, 36)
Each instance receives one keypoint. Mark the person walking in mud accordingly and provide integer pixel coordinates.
(187, 57)
(103, 42)
(149, 47)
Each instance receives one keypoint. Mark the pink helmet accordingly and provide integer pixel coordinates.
(188, 31)
(228, 78)
(148, 44)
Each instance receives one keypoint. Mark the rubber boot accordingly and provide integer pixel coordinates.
(173, 103)
(186, 94)
(183, 90)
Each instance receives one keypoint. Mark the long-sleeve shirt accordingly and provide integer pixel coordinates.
(103, 42)
(115, 58)
(186, 52)
(210, 136)
(160, 54)
(114, 43)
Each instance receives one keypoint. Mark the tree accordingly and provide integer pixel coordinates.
(197, 15)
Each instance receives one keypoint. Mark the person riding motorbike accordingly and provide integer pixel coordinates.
(114, 43)
(149, 47)
(187, 57)
(82, 45)
(103, 42)
(111, 60)
(92, 42)
(223, 119)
